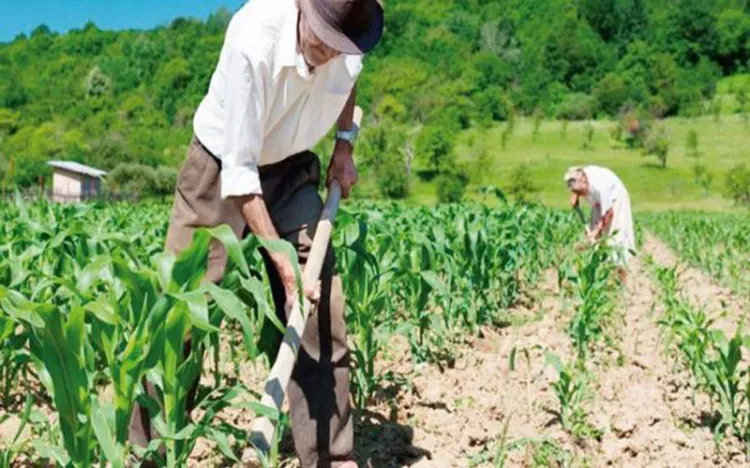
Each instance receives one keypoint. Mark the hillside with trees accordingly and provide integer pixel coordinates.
(110, 97)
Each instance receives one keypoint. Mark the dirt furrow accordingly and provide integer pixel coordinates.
(691, 411)
(456, 417)
(702, 290)
(638, 399)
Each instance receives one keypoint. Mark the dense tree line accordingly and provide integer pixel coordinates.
(105, 97)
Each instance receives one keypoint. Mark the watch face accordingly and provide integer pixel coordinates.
(349, 136)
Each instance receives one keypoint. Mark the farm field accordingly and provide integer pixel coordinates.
(480, 337)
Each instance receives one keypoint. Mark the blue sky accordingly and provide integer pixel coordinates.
(22, 16)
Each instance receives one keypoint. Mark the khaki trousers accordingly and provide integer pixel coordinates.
(319, 390)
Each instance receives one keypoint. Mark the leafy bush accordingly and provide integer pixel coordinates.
(521, 183)
(163, 181)
(129, 177)
(434, 147)
(577, 106)
(491, 105)
(451, 186)
(611, 93)
(139, 179)
(392, 179)
(702, 177)
(657, 144)
(634, 127)
(738, 184)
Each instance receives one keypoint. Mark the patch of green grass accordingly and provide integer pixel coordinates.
(722, 145)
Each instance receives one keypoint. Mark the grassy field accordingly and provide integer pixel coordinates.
(723, 144)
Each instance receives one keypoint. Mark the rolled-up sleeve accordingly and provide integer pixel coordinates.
(244, 114)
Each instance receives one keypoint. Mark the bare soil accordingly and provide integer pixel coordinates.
(640, 402)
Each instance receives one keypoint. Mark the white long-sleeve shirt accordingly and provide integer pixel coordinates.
(606, 191)
(263, 105)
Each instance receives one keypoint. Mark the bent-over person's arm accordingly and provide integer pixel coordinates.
(243, 140)
(342, 166)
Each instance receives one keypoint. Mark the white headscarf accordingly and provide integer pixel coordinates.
(573, 174)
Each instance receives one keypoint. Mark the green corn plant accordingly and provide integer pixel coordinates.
(138, 320)
(714, 360)
(14, 357)
(191, 316)
(570, 389)
(725, 258)
(721, 375)
(367, 298)
(434, 275)
(415, 279)
(690, 328)
(591, 286)
(668, 279)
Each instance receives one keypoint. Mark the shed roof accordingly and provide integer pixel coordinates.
(78, 168)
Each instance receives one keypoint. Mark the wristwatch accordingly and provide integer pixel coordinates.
(350, 135)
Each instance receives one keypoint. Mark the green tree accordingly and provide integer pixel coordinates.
(451, 185)
(619, 21)
(9, 122)
(738, 184)
(392, 178)
(577, 107)
(733, 28)
(611, 93)
(97, 83)
(657, 144)
(434, 147)
(171, 82)
(522, 185)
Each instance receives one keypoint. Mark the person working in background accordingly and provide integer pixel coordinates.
(610, 209)
(285, 75)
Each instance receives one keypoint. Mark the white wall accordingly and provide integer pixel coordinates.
(66, 186)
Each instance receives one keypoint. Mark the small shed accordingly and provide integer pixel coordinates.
(74, 182)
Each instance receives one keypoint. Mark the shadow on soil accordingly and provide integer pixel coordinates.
(380, 442)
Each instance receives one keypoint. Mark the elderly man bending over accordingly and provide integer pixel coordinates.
(286, 74)
(610, 209)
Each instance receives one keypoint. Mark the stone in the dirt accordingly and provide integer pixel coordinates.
(440, 420)
(476, 435)
(680, 439)
(433, 393)
(624, 424)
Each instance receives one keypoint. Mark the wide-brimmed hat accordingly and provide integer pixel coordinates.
(348, 26)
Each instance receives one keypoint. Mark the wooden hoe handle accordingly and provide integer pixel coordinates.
(263, 428)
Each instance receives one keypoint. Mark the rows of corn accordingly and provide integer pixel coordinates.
(90, 306)
(717, 243)
(710, 345)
